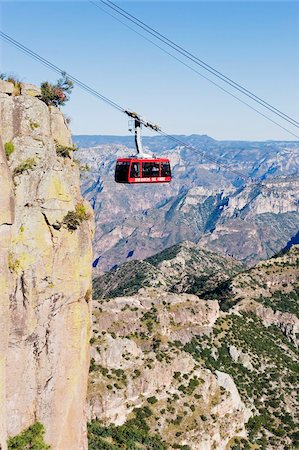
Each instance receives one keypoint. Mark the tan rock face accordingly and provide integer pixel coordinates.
(50, 291)
(30, 89)
(138, 359)
(6, 87)
(59, 130)
(6, 221)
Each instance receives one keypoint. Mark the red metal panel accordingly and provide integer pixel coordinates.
(159, 179)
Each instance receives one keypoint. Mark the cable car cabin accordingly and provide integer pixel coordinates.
(134, 170)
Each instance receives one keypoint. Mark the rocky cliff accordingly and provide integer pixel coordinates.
(45, 277)
(171, 370)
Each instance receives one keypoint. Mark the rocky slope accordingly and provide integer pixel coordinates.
(45, 275)
(185, 267)
(172, 370)
(270, 290)
(138, 361)
(201, 204)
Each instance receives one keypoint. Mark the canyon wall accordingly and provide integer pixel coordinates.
(46, 230)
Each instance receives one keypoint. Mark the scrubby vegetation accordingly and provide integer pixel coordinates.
(73, 219)
(283, 301)
(82, 167)
(134, 434)
(26, 165)
(30, 439)
(14, 264)
(64, 150)
(12, 79)
(262, 360)
(33, 125)
(9, 148)
(269, 385)
(57, 94)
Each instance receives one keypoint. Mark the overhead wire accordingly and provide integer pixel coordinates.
(58, 70)
(199, 73)
(92, 91)
(115, 105)
(202, 62)
(195, 60)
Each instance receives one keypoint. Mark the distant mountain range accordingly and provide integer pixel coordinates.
(205, 203)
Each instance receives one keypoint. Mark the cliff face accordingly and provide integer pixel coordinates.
(46, 274)
(6, 220)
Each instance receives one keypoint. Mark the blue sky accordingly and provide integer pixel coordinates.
(254, 43)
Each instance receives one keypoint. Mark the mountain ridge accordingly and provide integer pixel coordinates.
(202, 203)
(184, 267)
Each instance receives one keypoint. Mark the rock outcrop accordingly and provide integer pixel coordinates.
(270, 291)
(46, 274)
(139, 357)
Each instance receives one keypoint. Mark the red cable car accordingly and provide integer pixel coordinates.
(136, 170)
(142, 168)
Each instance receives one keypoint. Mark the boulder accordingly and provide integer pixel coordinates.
(30, 89)
(6, 87)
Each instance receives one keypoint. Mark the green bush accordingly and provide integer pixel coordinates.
(9, 148)
(64, 150)
(134, 434)
(30, 439)
(57, 94)
(73, 219)
(28, 164)
(82, 167)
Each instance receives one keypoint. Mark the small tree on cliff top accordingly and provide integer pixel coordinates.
(57, 94)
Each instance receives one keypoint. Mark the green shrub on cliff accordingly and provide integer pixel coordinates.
(64, 150)
(133, 434)
(9, 148)
(57, 94)
(28, 164)
(30, 439)
(73, 219)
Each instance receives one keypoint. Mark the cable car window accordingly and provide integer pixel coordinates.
(165, 170)
(135, 170)
(150, 169)
(122, 171)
